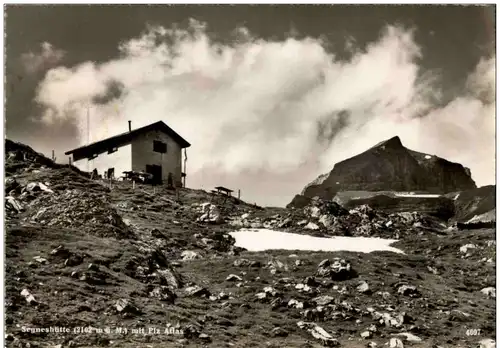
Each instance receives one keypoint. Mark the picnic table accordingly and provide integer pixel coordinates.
(221, 190)
(137, 176)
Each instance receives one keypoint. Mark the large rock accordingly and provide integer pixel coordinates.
(125, 306)
(339, 270)
(163, 293)
(29, 297)
(211, 214)
(11, 184)
(318, 333)
(389, 166)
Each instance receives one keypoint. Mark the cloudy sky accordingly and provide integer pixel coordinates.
(269, 96)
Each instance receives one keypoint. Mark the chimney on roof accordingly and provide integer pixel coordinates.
(130, 126)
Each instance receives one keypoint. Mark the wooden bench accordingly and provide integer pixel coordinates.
(223, 190)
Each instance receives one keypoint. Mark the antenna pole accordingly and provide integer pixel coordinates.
(88, 134)
(88, 125)
(185, 172)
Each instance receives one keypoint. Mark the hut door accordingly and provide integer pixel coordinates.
(154, 170)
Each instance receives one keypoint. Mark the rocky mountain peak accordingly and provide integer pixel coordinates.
(393, 143)
(389, 166)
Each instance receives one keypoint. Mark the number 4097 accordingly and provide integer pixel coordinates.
(473, 332)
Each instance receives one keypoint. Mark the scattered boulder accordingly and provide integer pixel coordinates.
(279, 332)
(487, 343)
(339, 270)
(60, 251)
(12, 203)
(490, 292)
(285, 223)
(295, 304)
(389, 320)
(220, 296)
(210, 214)
(409, 337)
(303, 288)
(396, 343)
(302, 223)
(10, 184)
(73, 260)
(94, 278)
(311, 226)
(261, 296)
(190, 332)
(187, 255)
(36, 187)
(277, 303)
(464, 249)
(460, 316)
(93, 267)
(363, 288)
(323, 300)
(408, 290)
(157, 234)
(246, 263)
(40, 260)
(204, 337)
(366, 334)
(276, 266)
(126, 306)
(271, 291)
(29, 297)
(163, 293)
(311, 281)
(319, 333)
(324, 264)
(233, 278)
(197, 291)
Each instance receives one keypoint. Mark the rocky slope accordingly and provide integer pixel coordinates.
(88, 265)
(474, 203)
(389, 166)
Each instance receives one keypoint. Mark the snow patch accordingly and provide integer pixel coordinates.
(486, 217)
(428, 157)
(425, 195)
(264, 239)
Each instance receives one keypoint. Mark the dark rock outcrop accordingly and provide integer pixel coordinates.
(20, 157)
(299, 201)
(474, 203)
(389, 166)
(440, 207)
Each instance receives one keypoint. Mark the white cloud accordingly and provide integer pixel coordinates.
(463, 131)
(256, 105)
(45, 59)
